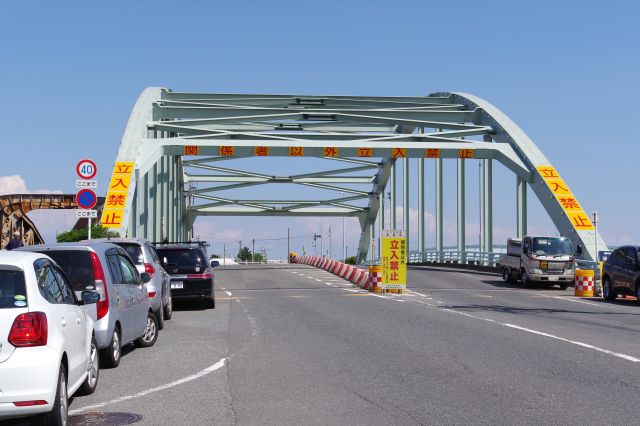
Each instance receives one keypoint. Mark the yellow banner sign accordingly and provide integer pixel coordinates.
(117, 194)
(572, 208)
(394, 259)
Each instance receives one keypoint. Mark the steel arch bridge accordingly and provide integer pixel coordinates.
(185, 155)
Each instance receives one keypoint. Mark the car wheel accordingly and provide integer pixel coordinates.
(506, 275)
(160, 317)
(168, 309)
(607, 291)
(91, 382)
(564, 286)
(59, 415)
(209, 303)
(111, 354)
(150, 335)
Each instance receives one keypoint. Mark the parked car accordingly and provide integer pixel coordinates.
(48, 350)
(621, 273)
(144, 256)
(124, 314)
(191, 274)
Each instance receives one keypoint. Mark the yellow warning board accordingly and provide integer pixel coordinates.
(572, 208)
(394, 259)
(117, 194)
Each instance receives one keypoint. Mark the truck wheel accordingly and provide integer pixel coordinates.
(526, 282)
(564, 286)
(506, 275)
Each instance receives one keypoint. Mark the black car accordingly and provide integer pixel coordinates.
(621, 273)
(191, 274)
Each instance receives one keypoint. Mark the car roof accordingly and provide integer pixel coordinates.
(178, 246)
(21, 259)
(140, 241)
(70, 246)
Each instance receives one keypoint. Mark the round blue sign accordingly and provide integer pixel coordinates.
(86, 199)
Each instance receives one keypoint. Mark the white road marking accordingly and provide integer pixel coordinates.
(318, 280)
(218, 365)
(228, 293)
(575, 342)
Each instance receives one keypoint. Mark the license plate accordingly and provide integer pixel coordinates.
(177, 284)
(553, 278)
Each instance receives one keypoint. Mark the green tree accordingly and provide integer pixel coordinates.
(75, 235)
(258, 257)
(350, 260)
(244, 255)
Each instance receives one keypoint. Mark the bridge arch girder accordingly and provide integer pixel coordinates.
(166, 126)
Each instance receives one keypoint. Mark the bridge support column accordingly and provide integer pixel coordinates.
(488, 206)
(421, 208)
(405, 199)
(392, 191)
(144, 210)
(461, 205)
(521, 206)
(439, 214)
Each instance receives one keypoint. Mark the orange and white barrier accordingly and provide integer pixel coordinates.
(375, 278)
(350, 273)
(585, 281)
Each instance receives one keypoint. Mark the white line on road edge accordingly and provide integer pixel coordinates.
(228, 293)
(574, 342)
(218, 365)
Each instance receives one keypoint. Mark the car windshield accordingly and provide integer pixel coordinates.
(76, 265)
(13, 293)
(182, 257)
(134, 251)
(552, 247)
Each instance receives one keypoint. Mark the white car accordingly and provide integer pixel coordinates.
(47, 347)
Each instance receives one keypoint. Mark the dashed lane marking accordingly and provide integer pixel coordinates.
(228, 293)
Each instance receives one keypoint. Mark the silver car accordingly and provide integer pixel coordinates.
(144, 256)
(123, 313)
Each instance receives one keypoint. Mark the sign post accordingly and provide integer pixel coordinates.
(394, 260)
(86, 198)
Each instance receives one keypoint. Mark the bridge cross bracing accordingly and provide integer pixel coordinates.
(200, 154)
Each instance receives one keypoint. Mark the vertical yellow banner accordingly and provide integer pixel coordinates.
(394, 259)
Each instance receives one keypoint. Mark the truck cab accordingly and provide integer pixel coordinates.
(546, 260)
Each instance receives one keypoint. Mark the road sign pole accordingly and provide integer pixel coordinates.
(89, 236)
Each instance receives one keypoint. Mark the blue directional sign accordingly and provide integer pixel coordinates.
(86, 199)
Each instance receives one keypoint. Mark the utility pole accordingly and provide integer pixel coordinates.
(253, 251)
(224, 253)
(321, 236)
(288, 246)
(239, 249)
(330, 244)
(595, 225)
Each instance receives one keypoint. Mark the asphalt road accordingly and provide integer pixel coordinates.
(293, 344)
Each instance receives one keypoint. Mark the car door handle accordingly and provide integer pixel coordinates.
(63, 322)
(78, 321)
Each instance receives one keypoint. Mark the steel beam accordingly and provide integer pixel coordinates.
(421, 208)
(488, 205)
(461, 221)
(439, 206)
(521, 207)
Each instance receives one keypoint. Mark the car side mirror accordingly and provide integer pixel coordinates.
(214, 263)
(145, 277)
(90, 297)
(579, 250)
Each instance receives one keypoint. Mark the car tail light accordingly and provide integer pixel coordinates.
(199, 276)
(152, 294)
(149, 269)
(102, 306)
(29, 329)
(30, 403)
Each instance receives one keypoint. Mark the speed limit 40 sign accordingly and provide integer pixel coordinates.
(86, 169)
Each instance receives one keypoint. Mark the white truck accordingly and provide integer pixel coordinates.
(545, 260)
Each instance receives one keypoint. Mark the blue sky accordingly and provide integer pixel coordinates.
(566, 72)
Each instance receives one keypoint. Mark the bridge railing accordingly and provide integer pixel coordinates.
(457, 257)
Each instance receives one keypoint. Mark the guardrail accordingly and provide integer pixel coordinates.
(481, 258)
